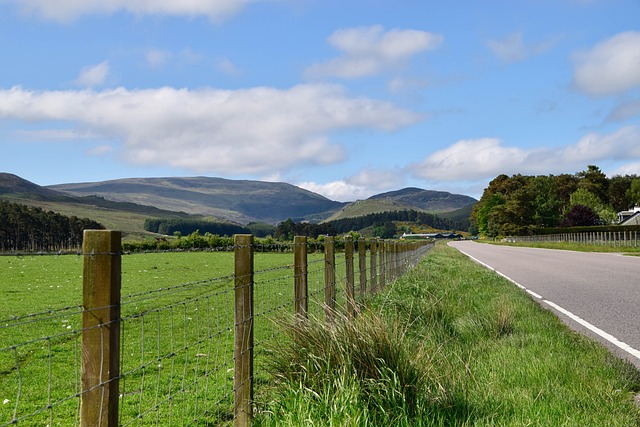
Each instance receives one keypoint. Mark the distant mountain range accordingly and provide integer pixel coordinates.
(239, 201)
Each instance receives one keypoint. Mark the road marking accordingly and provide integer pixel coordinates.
(613, 340)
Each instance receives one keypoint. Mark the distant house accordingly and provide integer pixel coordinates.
(631, 217)
(431, 236)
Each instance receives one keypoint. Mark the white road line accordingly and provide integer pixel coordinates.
(613, 340)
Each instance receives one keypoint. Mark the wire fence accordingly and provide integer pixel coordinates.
(597, 238)
(188, 354)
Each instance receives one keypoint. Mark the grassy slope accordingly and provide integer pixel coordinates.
(237, 200)
(366, 207)
(130, 223)
(489, 356)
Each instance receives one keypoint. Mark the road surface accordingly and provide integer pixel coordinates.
(597, 294)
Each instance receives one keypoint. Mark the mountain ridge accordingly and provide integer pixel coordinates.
(237, 201)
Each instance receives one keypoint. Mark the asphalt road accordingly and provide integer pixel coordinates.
(597, 294)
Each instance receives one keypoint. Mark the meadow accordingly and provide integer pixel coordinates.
(448, 344)
(177, 333)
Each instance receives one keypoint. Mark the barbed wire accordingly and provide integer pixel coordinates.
(176, 348)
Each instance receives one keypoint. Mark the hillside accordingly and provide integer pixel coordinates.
(439, 202)
(126, 217)
(15, 186)
(241, 201)
(126, 203)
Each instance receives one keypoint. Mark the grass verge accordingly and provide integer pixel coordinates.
(571, 246)
(449, 344)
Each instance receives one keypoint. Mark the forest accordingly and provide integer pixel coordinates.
(26, 228)
(521, 204)
(187, 226)
(382, 224)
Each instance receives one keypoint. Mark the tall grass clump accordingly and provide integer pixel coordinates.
(365, 371)
(448, 344)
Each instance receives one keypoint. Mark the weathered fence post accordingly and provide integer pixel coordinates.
(362, 266)
(373, 249)
(300, 276)
(381, 262)
(243, 337)
(101, 281)
(348, 257)
(329, 278)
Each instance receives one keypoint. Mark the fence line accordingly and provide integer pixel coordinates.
(601, 238)
(183, 353)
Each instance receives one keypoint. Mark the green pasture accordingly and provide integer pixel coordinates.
(448, 344)
(177, 333)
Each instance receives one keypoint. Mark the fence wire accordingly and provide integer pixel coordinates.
(176, 342)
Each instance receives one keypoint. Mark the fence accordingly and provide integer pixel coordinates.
(603, 238)
(185, 354)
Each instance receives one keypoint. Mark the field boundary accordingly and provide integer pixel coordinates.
(128, 345)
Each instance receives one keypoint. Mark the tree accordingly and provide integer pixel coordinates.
(584, 197)
(579, 216)
(633, 193)
(387, 230)
(595, 181)
(619, 187)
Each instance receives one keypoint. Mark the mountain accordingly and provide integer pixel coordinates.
(125, 204)
(426, 200)
(438, 202)
(123, 216)
(241, 201)
(18, 187)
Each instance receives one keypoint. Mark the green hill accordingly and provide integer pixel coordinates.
(241, 201)
(438, 202)
(125, 204)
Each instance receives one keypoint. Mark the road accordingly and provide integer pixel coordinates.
(597, 294)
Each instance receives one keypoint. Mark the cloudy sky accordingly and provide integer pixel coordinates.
(345, 98)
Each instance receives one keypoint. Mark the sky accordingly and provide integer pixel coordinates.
(346, 98)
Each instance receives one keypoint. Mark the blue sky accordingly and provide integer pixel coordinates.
(344, 98)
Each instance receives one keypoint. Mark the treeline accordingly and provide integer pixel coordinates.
(378, 220)
(32, 229)
(286, 230)
(520, 204)
(186, 227)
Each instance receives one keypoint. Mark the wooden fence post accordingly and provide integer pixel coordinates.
(243, 337)
(101, 282)
(362, 266)
(381, 262)
(373, 249)
(301, 294)
(329, 278)
(348, 257)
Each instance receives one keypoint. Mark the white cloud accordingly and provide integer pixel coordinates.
(55, 134)
(477, 159)
(252, 131)
(371, 50)
(93, 75)
(156, 57)
(100, 151)
(510, 49)
(625, 111)
(360, 186)
(611, 67)
(626, 169)
(227, 67)
(513, 49)
(69, 10)
(336, 190)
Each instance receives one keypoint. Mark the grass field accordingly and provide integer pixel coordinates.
(177, 346)
(451, 344)
(571, 246)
